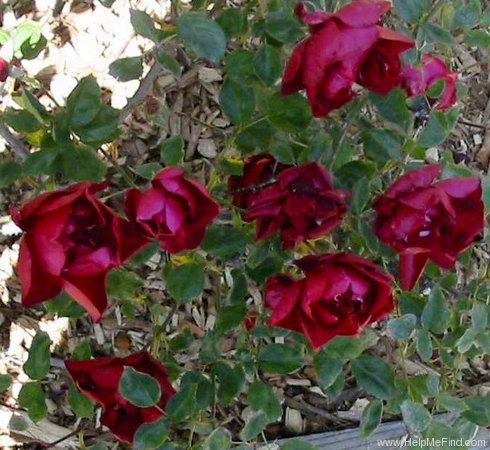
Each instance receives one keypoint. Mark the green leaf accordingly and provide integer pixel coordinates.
(289, 113)
(143, 25)
(423, 344)
(478, 38)
(202, 36)
(267, 63)
(224, 241)
(126, 69)
(410, 11)
(41, 162)
(240, 67)
(360, 195)
(21, 120)
(415, 416)
(123, 284)
(468, 15)
(478, 410)
(401, 328)
(465, 342)
(83, 103)
(254, 425)
(436, 314)
(343, 348)
(147, 170)
(182, 404)
(327, 368)
(5, 381)
(375, 376)
(219, 439)
(479, 316)
(10, 171)
(382, 145)
(31, 104)
(261, 397)
(393, 108)
(237, 101)
(439, 126)
(81, 164)
(81, 405)
(64, 306)
(39, 360)
(167, 61)
(256, 135)
(282, 28)
(371, 418)
(229, 317)
(230, 381)
(172, 151)
(298, 444)
(104, 127)
(280, 358)
(152, 435)
(82, 351)
(32, 398)
(184, 282)
(233, 21)
(139, 388)
(435, 33)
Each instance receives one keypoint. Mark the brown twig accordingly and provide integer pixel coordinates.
(16, 144)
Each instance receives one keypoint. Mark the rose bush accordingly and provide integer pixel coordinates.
(267, 279)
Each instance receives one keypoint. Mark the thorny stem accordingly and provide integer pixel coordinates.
(118, 168)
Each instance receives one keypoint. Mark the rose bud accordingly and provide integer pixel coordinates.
(416, 81)
(4, 70)
(339, 295)
(422, 219)
(72, 240)
(258, 172)
(176, 210)
(302, 204)
(346, 47)
(99, 380)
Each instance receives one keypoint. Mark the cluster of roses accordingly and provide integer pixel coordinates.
(351, 47)
(72, 239)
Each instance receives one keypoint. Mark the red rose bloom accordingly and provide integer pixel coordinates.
(422, 219)
(176, 210)
(302, 204)
(99, 380)
(346, 47)
(72, 240)
(416, 81)
(258, 172)
(4, 70)
(339, 295)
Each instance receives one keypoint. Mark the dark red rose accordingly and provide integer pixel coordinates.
(346, 47)
(416, 81)
(423, 219)
(251, 319)
(99, 380)
(4, 70)
(340, 294)
(258, 172)
(176, 210)
(302, 204)
(72, 240)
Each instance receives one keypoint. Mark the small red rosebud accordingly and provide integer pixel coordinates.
(4, 70)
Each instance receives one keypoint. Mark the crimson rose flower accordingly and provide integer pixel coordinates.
(422, 219)
(4, 70)
(340, 294)
(176, 210)
(343, 48)
(72, 240)
(302, 204)
(416, 81)
(258, 172)
(99, 380)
